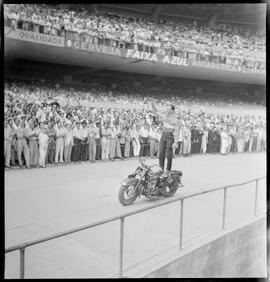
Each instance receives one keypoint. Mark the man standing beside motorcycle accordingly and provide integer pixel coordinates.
(169, 136)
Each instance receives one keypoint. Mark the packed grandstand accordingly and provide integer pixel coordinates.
(48, 122)
(225, 44)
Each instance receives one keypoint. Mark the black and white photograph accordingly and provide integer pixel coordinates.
(135, 140)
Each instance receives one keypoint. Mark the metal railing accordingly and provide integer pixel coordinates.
(23, 246)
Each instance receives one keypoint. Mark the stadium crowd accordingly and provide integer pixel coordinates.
(52, 124)
(225, 44)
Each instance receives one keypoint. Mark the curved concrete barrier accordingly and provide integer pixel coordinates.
(235, 253)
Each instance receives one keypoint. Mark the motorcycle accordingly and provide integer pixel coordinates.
(144, 181)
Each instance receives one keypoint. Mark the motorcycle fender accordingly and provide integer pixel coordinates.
(130, 181)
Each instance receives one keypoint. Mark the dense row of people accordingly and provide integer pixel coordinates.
(224, 45)
(32, 143)
(42, 127)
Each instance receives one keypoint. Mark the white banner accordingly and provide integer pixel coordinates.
(34, 37)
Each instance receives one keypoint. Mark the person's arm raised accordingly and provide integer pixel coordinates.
(155, 110)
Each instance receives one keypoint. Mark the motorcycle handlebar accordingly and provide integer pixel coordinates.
(143, 164)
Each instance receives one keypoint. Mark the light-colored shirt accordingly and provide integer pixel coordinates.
(77, 133)
(60, 132)
(9, 133)
(93, 132)
(68, 137)
(135, 134)
(84, 132)
(32, 134)
(43, 139)
(105, 132)
(21, 132)
(180, 134)
(152, 133)
(114, 132)
(170, 121)
(187, 133)
(144, 132)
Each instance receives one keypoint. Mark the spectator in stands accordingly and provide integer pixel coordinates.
(113, 137)
(9, 134)
(33, 133)
(127, 142)
(152, 140)
(59, 144)
(224, 140)
(85, 144)
(51, 132)
(93, 133)
(68, 143)
(98, 141)
(105, 141)
(43, 140)
(186, 139)
(77, 148)
(135, 140)
(144, 134)
(21, 145)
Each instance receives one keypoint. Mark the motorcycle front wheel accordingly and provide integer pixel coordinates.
(127, 194)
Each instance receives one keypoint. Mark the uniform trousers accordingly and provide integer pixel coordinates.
(50, 152)
(98, 147)
(165, 150)
(117, 148)
(84, 150)
(105, 148)
(76, 150)
(22, 148)
(112, 148)
(127, 149)
(153, 147)
(7, 151)
(67, 152)
(42, 154)
(33, 152)
(136, 147)
(186, 146)
(92, 149)
(250, 144)
(59, 150)
(144, 146)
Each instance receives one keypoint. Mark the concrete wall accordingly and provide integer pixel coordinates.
(240, 253)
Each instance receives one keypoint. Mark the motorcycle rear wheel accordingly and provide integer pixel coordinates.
(127, 194)
(173, 188)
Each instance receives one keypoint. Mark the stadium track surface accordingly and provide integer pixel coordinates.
(41, 202)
